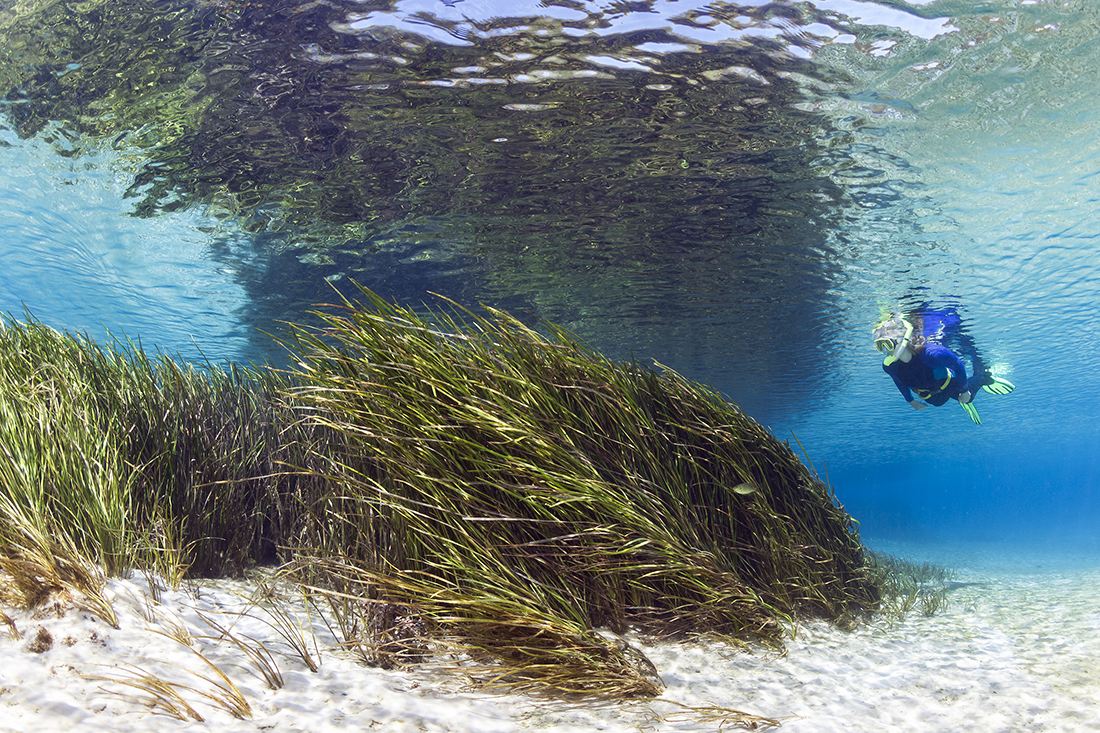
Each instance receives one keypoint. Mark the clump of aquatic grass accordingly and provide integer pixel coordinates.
(908, 586)
(169, 695)
(717, 716)
(502, 636)
(295, 629)
(156, 692)
(13, 630)
(520, 490)
(252, 648)
(376, 634)
(125, 461)
(449, 484)
(38, 571)
(211, 684)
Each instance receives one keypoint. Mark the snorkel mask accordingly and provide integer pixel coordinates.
(890, 339)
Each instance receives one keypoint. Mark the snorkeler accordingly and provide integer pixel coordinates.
(919, 364)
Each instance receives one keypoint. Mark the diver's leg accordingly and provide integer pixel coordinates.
(938, 399)
(963, 345)
(975, 381)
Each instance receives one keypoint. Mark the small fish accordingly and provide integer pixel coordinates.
(745, 489)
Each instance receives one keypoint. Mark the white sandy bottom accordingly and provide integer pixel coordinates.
(1016, 653)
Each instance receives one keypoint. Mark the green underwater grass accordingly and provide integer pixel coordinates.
(447, 481)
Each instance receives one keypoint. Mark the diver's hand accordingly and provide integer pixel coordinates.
(917, 404)
(964, 397)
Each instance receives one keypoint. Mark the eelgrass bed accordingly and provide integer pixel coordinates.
(447, 483)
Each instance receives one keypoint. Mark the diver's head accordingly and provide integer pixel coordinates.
(892, 338)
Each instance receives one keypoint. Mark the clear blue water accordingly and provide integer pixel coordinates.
(76, 260)
(953, 158)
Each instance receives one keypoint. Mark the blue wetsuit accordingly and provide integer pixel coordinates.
(926, 372)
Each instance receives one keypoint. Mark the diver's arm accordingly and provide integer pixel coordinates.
(905, 393)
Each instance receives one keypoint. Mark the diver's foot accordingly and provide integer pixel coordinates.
(996, 385)
(972, 412)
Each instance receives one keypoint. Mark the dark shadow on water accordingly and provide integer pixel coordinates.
(661, 199)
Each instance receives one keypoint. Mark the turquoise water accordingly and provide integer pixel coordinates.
(736, 192)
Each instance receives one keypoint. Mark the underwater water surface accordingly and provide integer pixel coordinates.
(735, 191)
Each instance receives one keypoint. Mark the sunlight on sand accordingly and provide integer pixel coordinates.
(1013, 651)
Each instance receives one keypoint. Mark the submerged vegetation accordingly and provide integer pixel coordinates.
(450, 481)
(909, 586)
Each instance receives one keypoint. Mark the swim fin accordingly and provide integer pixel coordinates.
(996, 385)
(972, 412)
